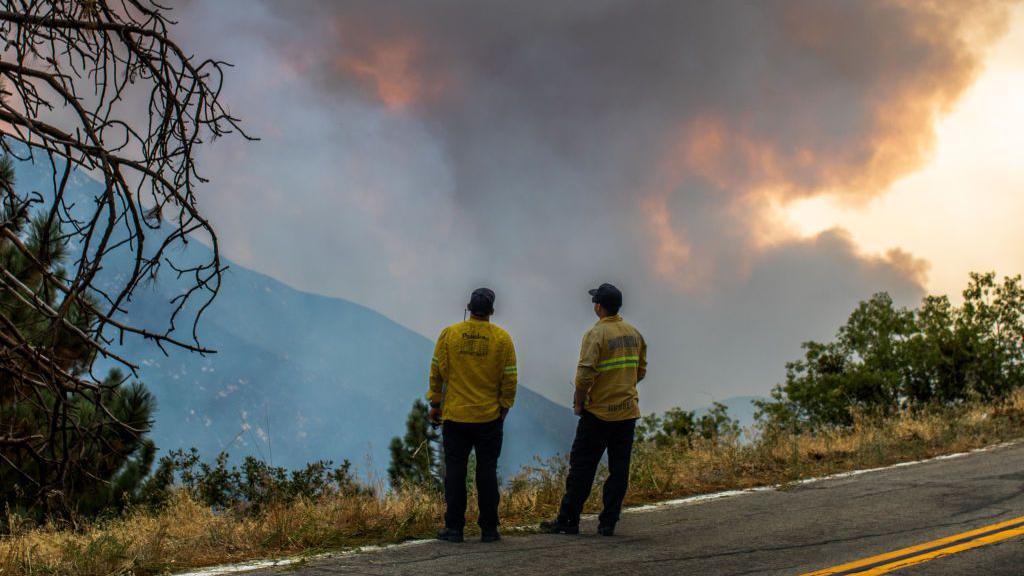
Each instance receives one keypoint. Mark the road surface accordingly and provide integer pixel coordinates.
(972, 505)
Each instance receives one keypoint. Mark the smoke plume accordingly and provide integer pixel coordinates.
(413, 151)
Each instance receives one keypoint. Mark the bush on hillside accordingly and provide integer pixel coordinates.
(678, 424)
(250, 487)
(888, 358)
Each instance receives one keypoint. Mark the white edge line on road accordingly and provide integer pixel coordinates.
(259, 564)
(688, 501)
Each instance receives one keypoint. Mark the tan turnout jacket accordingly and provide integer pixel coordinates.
(613, 359)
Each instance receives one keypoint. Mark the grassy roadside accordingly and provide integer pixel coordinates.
(186, 534)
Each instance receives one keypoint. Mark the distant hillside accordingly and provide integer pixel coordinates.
(297, 377)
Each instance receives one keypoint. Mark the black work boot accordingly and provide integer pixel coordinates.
(606, 529)
(491, 535)
(450, 535)
(559, 526)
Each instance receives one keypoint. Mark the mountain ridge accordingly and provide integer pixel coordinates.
(297, 376)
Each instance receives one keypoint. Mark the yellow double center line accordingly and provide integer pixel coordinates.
(890, 561)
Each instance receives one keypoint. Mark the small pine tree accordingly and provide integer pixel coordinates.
(115, 463)
(415, 458)
(76, 460)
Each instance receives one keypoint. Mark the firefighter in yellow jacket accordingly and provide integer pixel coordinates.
(613, 359)
(472, 388)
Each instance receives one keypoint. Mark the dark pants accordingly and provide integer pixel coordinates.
(593, 436)
(459, 439)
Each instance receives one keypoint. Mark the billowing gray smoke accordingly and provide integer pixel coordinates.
(415, 150)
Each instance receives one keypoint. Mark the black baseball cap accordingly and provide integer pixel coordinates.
(481, 302)
(607, 295)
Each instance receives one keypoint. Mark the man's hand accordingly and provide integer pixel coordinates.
(578, 399)
(435, 414)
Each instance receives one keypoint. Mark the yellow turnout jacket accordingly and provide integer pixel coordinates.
(613, 359)
(473, 372)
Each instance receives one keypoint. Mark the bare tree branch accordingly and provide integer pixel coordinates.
(95, 87)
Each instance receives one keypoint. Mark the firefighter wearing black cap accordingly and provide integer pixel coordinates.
(472, 387)
(613, 359)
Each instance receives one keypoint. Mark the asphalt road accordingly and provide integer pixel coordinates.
(794, 531)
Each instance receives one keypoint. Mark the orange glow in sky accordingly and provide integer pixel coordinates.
(673, 252)
(963, 210)
(389, 67)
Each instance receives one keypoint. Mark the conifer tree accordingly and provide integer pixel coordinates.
(416, 457)
(107, 462)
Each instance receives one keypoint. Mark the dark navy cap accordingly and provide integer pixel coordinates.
(607, 295)
(481, 302)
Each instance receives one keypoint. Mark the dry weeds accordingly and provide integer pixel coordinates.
(186, 534)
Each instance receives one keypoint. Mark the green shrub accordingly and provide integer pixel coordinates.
(249, 488)
(888, 358)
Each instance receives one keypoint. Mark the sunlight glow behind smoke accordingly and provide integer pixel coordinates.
(962, 211)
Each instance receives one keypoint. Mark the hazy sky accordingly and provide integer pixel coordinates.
(745, 172)
(962, 210)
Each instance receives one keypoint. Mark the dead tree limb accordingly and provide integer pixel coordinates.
(97, 88)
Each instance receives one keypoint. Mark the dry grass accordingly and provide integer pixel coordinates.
(186, 534)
